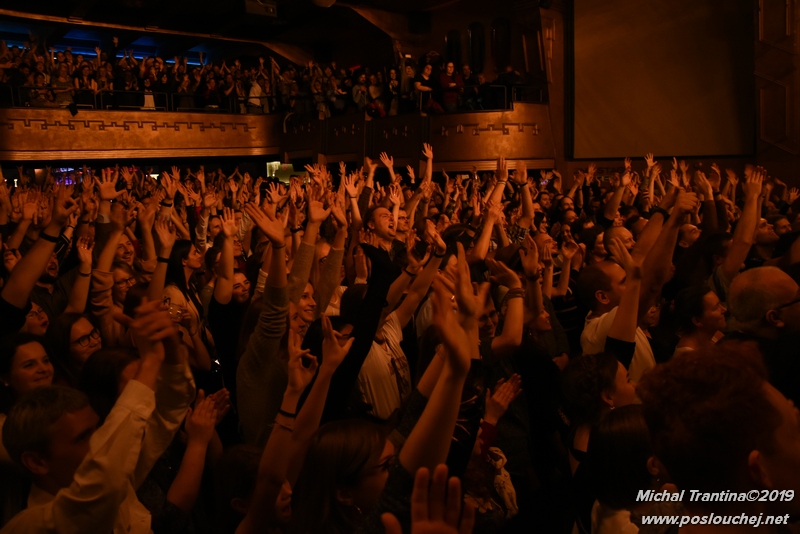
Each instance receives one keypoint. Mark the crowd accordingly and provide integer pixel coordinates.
(36, 76)
(496, 352)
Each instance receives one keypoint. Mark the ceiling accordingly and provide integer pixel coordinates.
(219, 27)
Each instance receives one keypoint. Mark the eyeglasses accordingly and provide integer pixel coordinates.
(35, 314)
(84, 341)
(791, 303)
(126, 282)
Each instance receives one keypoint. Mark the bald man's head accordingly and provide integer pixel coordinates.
(764, 298)
(619, 232)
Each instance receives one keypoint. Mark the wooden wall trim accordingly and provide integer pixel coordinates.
(34, 134)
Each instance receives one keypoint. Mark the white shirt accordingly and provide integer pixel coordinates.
(385, 378)
(593, 341)
(608, 521)
(102, 497)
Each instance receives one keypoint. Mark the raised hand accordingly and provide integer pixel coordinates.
(350, 186)
(427, 151)
(502, 275)
(107, 185)
(387, 160)
(267, 223)
(84, 249)
(649, 158)
(63, 207)
(302, 364)
(504, 394)
(317, 212)
(753, 184)
(165, 236)
(502, 170)
(628, 164)
(794, 194)
(222, 403)
(334, 346)
(529, 256)
(201, 420)
(228, 220)
(369, 165)
(431, 511)
(411, 175)
(520, 174)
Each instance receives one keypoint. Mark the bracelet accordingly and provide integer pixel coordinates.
(70, 226)
(285, 427)
(502, 182)
(166, 204)
(85, 274)
(408, 273)
(295, 230)
(161, 259)
(354, 196)
(47, 237)
(660, 210)
(515, 293)
(276, 247)
(287, 414)
(435, 255)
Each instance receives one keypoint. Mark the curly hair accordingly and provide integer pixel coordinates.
(706, 412)
(583, 382)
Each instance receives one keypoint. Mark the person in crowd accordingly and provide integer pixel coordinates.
(368, 331)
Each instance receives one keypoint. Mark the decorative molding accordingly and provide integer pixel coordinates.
(504, 128)
(33, 134)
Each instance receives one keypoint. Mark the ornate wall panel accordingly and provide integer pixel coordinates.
(401, 137)
(39, 134)
(523, 133)
(303, 137)
(345, 138)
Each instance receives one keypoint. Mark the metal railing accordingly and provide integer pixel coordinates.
(474, 98)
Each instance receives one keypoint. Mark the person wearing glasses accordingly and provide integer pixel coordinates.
(765, 308)
(36, 321)
(70, 340)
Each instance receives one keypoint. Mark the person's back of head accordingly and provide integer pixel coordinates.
(617, 457)
(339, 456)
(763, 300)
(235, 480)
(101, 377)
(592, 279)
(30, 439)
(583, 382)
(713, 419)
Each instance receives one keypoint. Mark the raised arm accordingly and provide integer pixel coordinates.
(744, 234)
(511, 336)
(429, 442)
(166, 236)
(223, 288)
(79, 292)
(28, 270)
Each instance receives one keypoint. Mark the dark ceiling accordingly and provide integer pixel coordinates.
(298, 23)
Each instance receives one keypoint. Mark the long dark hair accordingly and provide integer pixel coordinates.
(58, 342)
(619, 448)
(337, 456)
(176, 275)
(99, 378)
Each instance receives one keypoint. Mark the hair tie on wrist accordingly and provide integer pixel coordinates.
(287, 414)
(160, 259)
(166, 204)
(47, 237)
(442, 255)
(408, 273)
(275, 247)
